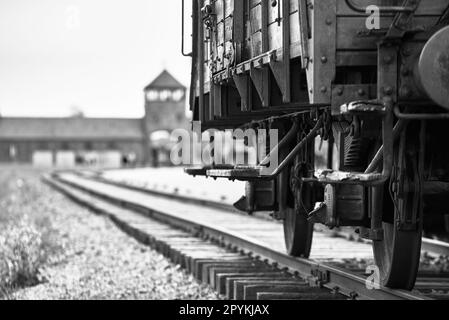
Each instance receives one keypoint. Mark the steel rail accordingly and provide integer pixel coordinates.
(174, 196)
(429, 245)
(346, 282)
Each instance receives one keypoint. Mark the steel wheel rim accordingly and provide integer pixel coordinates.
(298, 234)
(398, 256)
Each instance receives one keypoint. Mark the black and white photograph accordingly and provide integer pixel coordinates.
(224, 155)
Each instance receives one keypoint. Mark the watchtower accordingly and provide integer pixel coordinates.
(165, 106)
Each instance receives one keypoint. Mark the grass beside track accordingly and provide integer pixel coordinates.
(54, 249)
(27, 236)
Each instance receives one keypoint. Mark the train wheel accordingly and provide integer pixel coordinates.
(298, 231)
(398, 255)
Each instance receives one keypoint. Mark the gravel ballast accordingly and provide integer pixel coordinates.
(96, 259)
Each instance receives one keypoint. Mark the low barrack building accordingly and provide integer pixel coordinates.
(67, 142)
(27, 140)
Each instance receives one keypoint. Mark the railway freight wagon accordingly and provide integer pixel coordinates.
(368, 77)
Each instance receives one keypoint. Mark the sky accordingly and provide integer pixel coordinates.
(57, 56)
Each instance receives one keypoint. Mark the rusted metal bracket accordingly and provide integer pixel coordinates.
(361, 107)
(281, 72)
(445, 17)
(402, 22)
(258, 72)
(261, 80)
(241, 83)
(281, 66)
(341, 94)
(323, 46)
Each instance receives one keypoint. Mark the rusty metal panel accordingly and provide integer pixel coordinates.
(387, 86)
(322, 52)
(280, 66)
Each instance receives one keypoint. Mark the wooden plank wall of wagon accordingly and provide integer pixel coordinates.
(349, 24)
(253, 46)
(222, 39)
(224, 10)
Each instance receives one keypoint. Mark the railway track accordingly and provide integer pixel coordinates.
(432, 246)
(219, 248)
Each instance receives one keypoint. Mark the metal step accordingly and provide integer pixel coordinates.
(202, 171)
(239, 173)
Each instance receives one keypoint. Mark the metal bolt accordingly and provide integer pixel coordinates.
(388, 90)
(405, 72)
(361, 92)
(406, 92)
(406, 52)
(328, 21)
(323, 89)
(323, 59)
(340, 91)
(388, 59)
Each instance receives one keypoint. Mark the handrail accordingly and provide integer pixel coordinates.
(294, 153)
(377, 160)
(286, 140)
(182, 33)
(392, 9)
(420, 116)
